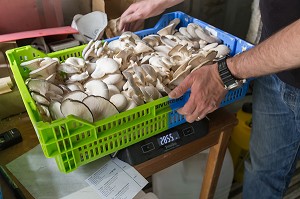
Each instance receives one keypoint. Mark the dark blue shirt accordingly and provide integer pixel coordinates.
(275, 15)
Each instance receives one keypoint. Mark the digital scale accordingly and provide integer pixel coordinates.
(163, 142)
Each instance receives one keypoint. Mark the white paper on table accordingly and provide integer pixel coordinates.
(117, 180)
(41, 177)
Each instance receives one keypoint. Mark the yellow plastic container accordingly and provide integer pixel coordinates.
(239, 143)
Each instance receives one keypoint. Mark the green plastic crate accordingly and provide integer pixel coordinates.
(74, 142)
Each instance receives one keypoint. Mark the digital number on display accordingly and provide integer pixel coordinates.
(166, 139)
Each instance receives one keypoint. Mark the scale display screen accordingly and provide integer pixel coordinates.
(163, 142)
(168, 138)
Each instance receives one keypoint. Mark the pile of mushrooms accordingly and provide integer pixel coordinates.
(117, 76)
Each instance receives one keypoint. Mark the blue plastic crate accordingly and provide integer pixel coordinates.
(74, 142)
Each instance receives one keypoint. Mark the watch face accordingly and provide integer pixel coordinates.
(235, 85)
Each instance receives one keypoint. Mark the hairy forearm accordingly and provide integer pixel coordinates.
(279, 52)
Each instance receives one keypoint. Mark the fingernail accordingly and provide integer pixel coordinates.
(172, 94)
(180, 111)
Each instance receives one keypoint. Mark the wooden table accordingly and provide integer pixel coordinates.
(220, 128)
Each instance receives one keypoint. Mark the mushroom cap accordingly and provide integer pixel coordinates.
(76, 62)
(75, 95)
(100, 107)
(54, 109)
(44, 71)
(96, 87)
(142, 47)
(32, 64)
(42, 87)
(210, 46)
(76, 108)
(67, 68)
(112, 90)
(112, 78)
(191, 30)
(105, 66)
(130, 105)
(151, 40)
(222, 50)
(75, 86)
(79, 77)
(119, 101)
(39, 98)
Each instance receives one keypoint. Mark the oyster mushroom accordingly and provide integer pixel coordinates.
(210, 46)
(191, 30)
(112, 90)
(76, 108)
(209, 57)
(75, 62)
(162, 88)
(75, 95)
(157, 62)
(32, 64)
(87, 48)
(40, 99)
(42, 87)
(151, 40)
(44, 111)
(180, 77)
(120, 84)
(45, 71)
(168, 42)
(150, 72)
(79, 77)
(130, 105)
(161, 49)
(205, 35)
(114, 45)
(69, 69)
(133, 85)
(222, 50)
(184, 32)
(100, 107)
(54, 109)
(51, 78)
(142, 47)
(112, 78)
(75, 86)
(152, 92)
(96, 87)
(168, 30)
(119, 101)
(105, 66)
(90, 67)
(137, 99)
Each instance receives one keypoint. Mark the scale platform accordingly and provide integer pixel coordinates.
(164, 142)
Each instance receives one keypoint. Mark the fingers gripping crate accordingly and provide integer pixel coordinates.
(74, 142)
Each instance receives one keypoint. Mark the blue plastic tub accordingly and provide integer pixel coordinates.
(74, 142)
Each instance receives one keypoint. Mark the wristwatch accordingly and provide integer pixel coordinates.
(229, 81)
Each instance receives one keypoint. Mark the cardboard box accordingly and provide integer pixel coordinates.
(9, 107)
(4, 66)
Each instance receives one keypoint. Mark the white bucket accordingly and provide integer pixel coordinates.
(184, 179)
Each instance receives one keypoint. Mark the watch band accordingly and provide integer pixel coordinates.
(229, 81)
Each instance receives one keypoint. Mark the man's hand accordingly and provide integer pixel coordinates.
(207, 92)
(136, 13)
